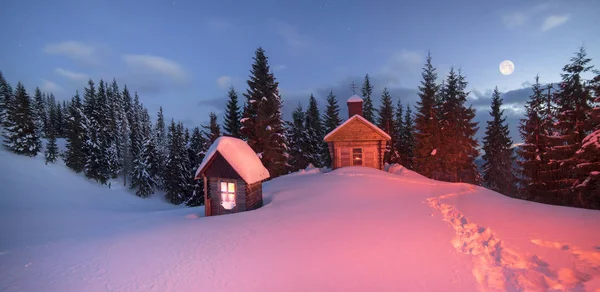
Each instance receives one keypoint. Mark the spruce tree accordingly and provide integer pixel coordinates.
(262, 122)
(60, 120)
(126, 118)
(367, 92)
(213, 130)
(408, 139)
(21, 133)
(427, 124)
(76, 135)
(51, 152)
(573, 124)
(97, 165)
(498, 172)
(231, 123)
(296, 136)
(331, 120)
(315, 147)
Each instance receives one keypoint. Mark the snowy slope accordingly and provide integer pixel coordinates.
(353, 229)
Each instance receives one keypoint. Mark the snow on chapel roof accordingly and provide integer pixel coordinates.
(355, 98)
(240, 156)
(360, 118)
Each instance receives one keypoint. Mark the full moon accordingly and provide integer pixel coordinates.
(507, 67)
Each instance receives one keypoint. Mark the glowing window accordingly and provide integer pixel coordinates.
(228, 195)
(357, 156)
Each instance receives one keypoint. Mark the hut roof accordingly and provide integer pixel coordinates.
(240, 156)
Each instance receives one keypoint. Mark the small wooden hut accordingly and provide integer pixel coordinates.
(232, 175)
(357, 142)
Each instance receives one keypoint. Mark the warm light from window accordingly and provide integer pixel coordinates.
(228, 195)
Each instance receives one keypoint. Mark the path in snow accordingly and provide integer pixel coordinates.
(500, 268)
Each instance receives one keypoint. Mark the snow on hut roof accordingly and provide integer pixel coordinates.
(355, 98)
(359, 117)
(240, 156)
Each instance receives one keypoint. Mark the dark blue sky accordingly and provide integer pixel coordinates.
(183, 54)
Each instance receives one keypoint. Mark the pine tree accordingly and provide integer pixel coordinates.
(573, 101)
(231, 123)
(213, 130)
(498, 172)
(296, 136)
(427, 124)
(408, 137)
(196, 151)
(146, 169)
(367, 92)
(262, 122)
(51, 152)
(21, 134)
(39, 106)
(60, 120)
(160, 138)
(313, 129)
(386, 122)
(97, 165)
(76, 135)
(135, 133)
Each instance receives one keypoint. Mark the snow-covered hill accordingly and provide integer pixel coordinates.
(352, 229)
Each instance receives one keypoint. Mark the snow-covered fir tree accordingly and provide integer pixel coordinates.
(39, 109)
(213, 130)
(135, 133)
(197, 149)
(125, 131)
(386, 122)
(458, 150)
(6, 101)
(367, 93)
(399, 125)
(21, 133)
(51, 153)
(60, 119)
(331, 120)
(176, 174)
(233, 114)
(262, 121)
(296, 137)
(498, 174)
(76, 135)
(407, 136)
(587, 187)
(146, 169)
(313, 129)
(427, 123)
(160, 137)
(97, 165)
(573, 123)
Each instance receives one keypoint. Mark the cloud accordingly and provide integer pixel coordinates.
(279, 67)
(49, 86)
(73, 49)
(224, 82)
(402, 66)
(514, 19)
(554, 21)
(155, 65)
(73, 76)
(218, 24)
(292, 37)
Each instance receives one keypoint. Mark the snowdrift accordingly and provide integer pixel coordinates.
(351, 229)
